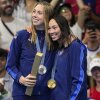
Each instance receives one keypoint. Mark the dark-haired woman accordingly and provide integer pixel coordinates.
(68, 77)
(76, 24)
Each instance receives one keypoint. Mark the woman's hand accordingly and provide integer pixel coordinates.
(29, 80)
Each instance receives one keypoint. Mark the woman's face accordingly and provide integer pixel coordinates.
(54, 30)
(38, 16)
(66, 13)
(96, 75)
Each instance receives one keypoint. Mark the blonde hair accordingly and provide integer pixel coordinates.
(48, 11)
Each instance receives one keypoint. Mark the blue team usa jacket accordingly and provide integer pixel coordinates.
(21, 58)
(70, 74)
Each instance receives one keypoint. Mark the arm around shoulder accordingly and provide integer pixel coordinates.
(54, 3)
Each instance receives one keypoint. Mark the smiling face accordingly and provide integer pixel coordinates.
(38, 16)
(96, 74)
(54, 30)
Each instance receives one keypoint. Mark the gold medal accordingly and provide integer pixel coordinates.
(42, 69)
(51, 84)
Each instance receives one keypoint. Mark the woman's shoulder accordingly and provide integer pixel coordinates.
(77, 43)
(22, 34)
(77, 46)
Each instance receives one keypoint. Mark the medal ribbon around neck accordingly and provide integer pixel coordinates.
(52, 83)
(54, 67)
(55, 64)
(42, 67)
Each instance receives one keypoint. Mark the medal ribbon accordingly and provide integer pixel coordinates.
(43, 51)
(54, 67)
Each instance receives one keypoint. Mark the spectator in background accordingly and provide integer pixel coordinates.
(92, 41)
(9, 25)
(5, 79)
(94, 92)
(75, 25)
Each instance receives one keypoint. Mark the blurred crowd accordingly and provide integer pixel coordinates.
(84, 20)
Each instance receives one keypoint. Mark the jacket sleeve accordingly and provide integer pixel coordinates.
(13, 58)
(78, 71)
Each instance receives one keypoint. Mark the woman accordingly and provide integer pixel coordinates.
(68, 77)
(94, 92)
(75, 25)
(22, 53)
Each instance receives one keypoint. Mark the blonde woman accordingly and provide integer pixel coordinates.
(22, 53)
